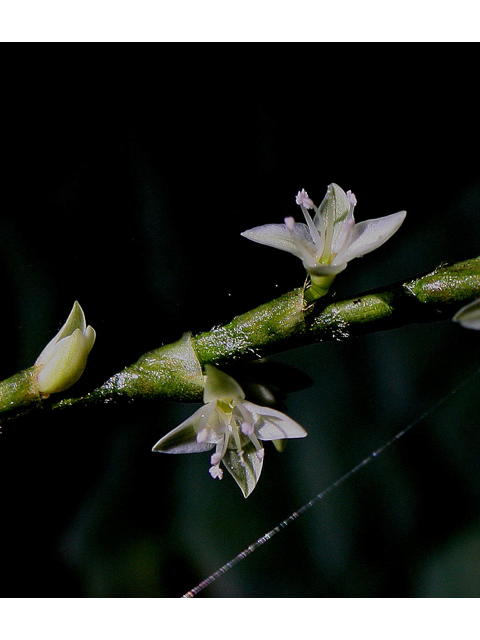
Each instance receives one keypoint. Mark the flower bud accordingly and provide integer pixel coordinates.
(63, 360)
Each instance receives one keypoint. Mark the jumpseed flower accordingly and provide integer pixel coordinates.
(328, 242)
(234, 427)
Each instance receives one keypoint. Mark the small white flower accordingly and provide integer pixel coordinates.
(63, 360)
(469, 315)
(328, 242)
(234, 426)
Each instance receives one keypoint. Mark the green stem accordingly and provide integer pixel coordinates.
(19, 394)
(319, 287)
(174, 372)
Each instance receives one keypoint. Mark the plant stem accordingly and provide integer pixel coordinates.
(174, 372)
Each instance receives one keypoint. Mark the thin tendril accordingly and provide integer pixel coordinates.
(320, 496)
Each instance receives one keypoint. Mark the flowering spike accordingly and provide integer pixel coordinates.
(234, 427)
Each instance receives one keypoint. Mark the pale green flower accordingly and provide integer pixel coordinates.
(63, 360)
(233, 426)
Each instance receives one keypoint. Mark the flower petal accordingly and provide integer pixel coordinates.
(336, 207)
(183, 439)
(66, 362)
(220, 386)
(276, 425)
(370, 235)
(246, 475)
(90, 336)
(469, 315)
(75, 320)
(278, 236)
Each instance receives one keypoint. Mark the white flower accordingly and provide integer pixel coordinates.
(326, 243)
(469, 315)
(234, 427)
(63, 360)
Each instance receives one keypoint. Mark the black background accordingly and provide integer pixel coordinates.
(128, 174)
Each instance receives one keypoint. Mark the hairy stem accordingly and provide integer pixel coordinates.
(174, 372)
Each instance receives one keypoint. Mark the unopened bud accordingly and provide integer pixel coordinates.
(63, 360)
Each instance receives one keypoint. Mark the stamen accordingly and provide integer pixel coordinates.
(352, 199)
(241, 459)
(220, 451)
(305, 203)
(257, 445)
(317, 240)
(248, 428)
(290, 223)
(224, 444)
(216, 472)
(216, 458)
(236, 436)
(244, 413)
(302, 199)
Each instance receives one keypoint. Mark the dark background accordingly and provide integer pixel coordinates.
(129, 173)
